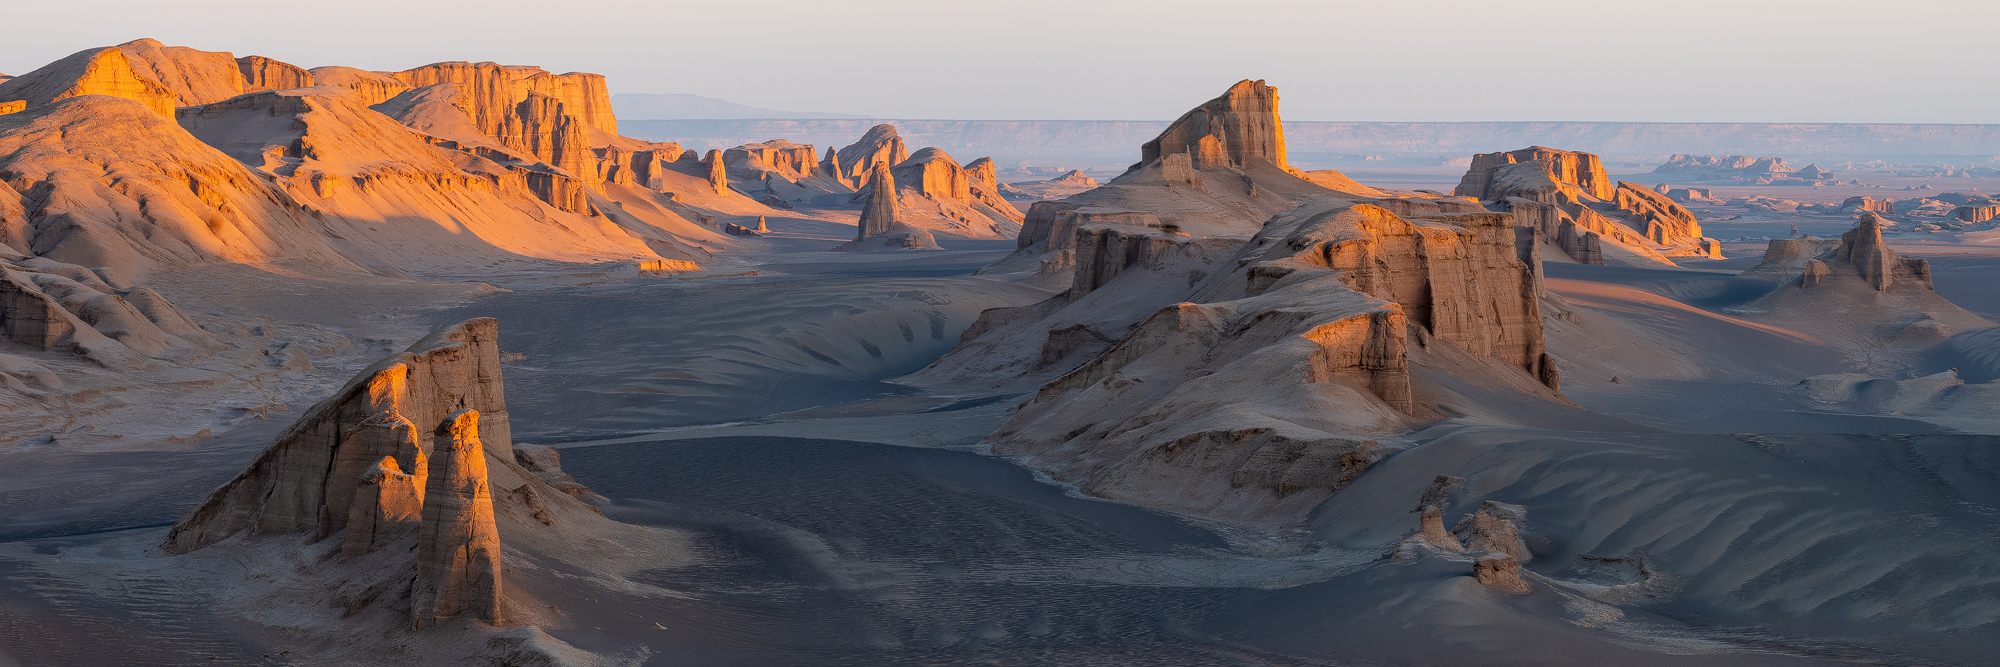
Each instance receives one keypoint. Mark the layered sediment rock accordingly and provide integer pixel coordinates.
(933, 173)
(1567, 196)
(403, 448)
(547, 131)
(880, 146)
(261, 73)
(1228, 131)
(102, 71)
(194, 76)
(458, 547)
(49, 305)
(1867, 205)
(374, 87)
(1485, 180)
(783, 158)
(308, 478)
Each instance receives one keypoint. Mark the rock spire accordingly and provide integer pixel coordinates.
(718, 173)
(458, 550)
(879, 215)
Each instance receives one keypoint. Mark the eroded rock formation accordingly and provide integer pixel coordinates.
(261, 73)
(1324, 323)
(1578, 210)
(1862, 251)
(102, 71)
(458, 547)
(403, 448)
(878, 216)
(309, 476)
(374, 87)
(880, 146)
(1228, 131)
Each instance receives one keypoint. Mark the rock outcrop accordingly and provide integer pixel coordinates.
(718, 172)
(1190, 368)
(308, 478)
(856, 162)
(878, 216)
(261, 73)
(403, 448)
(1494, 176)
(101, 71)
(374, 87)
(1228, 131)
(1578, 210)
(458, 547)
(194, 76)
(1862, 251)
(94, 314)
(1500, 572)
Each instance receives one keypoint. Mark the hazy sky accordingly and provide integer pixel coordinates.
(1431, 60)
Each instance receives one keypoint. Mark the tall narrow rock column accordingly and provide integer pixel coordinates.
(718, 174)
(458, 552)
(879, 215)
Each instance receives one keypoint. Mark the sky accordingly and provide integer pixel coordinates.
(1908, 61)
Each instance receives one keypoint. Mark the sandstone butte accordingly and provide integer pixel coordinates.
(402, 449)
(1210, 283)
(1567, 197)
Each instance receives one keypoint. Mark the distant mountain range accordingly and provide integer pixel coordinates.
(676, 106)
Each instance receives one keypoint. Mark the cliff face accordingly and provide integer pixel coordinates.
(784, 159)
(1227, 131)
(53, 306)
(545, 115)
(261, 73)
(413, 195)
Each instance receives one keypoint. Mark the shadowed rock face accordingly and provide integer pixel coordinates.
(1230, 130)
(1863, 252)
(458, 548)
(309, 477)
(879, 215)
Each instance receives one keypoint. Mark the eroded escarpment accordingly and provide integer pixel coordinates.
(1575, 206)
(1248, 370)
